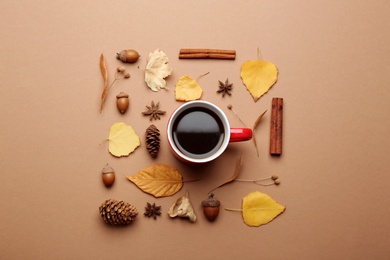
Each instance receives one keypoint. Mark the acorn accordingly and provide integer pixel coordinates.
(211, 207)
(108, 175)
(122, 102)
(129, 56)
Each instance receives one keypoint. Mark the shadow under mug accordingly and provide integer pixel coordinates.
(199, 132)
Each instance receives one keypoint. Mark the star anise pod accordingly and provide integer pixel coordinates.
(153, 111)
(151, 210)
(225, 88)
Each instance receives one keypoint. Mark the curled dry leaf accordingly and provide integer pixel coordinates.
(156, 70)
(158, 180)
(235, 175)
(258, 209)
(122, 140)
(253, 130)
(104, 72)
(258, 76)
(182, 208)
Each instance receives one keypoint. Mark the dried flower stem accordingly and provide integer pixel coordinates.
(231, 108)
(274, 178)
(118, 76)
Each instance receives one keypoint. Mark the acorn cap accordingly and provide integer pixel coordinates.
(122, 95)
(121, 55)
(211, 202)
(107, 169)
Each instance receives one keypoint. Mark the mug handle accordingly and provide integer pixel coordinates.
(240, 134)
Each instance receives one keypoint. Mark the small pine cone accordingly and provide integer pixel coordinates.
(117, 212)
(152, 135)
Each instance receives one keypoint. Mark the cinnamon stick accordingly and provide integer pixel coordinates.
(207, 54)
(276, 126)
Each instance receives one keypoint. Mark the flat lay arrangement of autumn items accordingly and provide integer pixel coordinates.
(197, 131)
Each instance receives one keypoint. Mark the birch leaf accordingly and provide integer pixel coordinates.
(258, 209)
(158, 180)
(258, 76)
(122, 140)
(187, 89)
(157, 69)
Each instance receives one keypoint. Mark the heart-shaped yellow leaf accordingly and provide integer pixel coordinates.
(258, 76)
(122, 140)
(187, 89)
(158, 180)
(258, 209)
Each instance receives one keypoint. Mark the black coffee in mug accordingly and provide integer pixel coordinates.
(198, 132)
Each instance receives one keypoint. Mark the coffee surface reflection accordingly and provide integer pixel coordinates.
(198, 132)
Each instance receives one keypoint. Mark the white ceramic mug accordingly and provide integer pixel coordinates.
(199, 132)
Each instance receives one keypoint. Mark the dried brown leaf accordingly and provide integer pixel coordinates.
(235, 175)
(254, 128)
(158, 180)
(104, 72)
(258, 120)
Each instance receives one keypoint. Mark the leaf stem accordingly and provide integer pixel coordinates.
(202, 76)
(102, 141)
(259, 56)
(230, 209)
(191, 180)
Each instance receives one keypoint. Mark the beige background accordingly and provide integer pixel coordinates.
(333, 58)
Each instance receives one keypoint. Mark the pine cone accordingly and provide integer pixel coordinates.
(117, 212)
(152, 140)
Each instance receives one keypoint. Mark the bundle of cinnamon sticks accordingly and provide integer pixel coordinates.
(207, 54)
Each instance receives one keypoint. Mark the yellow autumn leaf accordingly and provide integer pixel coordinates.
(156, 70)
(158, 180)
(258, 76)
(122, 140)
(258, 209)
(187, 89)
